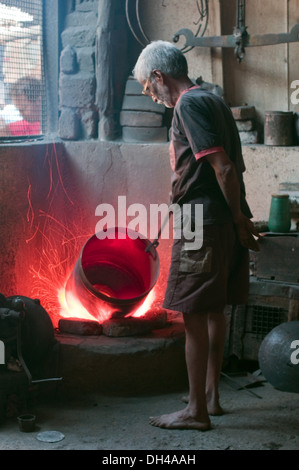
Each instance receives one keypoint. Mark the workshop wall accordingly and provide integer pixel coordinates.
(264, 77)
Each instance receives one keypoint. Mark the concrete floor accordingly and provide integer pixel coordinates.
(96, 421)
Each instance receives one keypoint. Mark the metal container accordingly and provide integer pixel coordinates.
(279, 217)
(279, 128)
(27, 422)
(114, 273)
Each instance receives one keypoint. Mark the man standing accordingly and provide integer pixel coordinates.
(207, 163)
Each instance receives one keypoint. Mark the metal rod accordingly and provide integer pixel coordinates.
(240, 14)
(46, 380)
(130, 24)
(155, 243)
(240, 386)
(147, 41)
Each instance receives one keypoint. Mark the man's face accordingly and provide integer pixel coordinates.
(158, 91)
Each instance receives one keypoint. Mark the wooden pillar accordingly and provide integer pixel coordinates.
(111, 65)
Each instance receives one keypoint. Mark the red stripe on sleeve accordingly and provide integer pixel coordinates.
(205, 152)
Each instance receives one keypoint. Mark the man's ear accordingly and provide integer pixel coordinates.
(158, 75)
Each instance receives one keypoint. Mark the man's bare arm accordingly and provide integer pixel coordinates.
(228, 181)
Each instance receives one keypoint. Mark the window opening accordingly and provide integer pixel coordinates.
(22, 96)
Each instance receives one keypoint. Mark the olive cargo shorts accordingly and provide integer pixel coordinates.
(208, 279)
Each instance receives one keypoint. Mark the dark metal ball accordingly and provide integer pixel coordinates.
(278, 359)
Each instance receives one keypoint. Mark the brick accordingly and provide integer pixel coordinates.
(140, 119)
(157, 316)
(141, 103)
(86, 5)
(78, 36)
(68, 60)
(77, 18)
(144, 134)
(68, 125)
(77, 326)
(133, 87)
(86, 59)
(77, 91)
(243, 112)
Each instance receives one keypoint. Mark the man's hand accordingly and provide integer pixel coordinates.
(247, 233)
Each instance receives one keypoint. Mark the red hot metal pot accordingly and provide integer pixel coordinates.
(114, 273)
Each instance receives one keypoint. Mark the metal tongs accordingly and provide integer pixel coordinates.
(155, 243)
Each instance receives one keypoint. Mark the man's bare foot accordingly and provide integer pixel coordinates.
(214, 408)
(180, 420)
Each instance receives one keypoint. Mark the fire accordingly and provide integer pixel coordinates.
(72, 307)
(58, 240)
(52, 270)
(147, 304)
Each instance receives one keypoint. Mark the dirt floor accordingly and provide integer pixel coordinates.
(268, 421)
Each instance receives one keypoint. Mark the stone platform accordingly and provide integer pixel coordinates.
(149, 363)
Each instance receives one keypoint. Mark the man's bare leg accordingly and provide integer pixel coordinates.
(217, 330)
(195, 415)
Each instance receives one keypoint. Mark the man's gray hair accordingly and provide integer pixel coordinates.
(163, 56)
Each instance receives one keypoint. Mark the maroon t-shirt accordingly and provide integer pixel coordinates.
(202, 124)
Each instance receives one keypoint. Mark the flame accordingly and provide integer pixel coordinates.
(147, 304)
(72, 308)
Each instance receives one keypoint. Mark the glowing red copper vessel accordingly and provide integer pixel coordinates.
(114, 273)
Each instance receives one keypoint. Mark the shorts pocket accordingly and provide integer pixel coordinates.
(199, 261)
